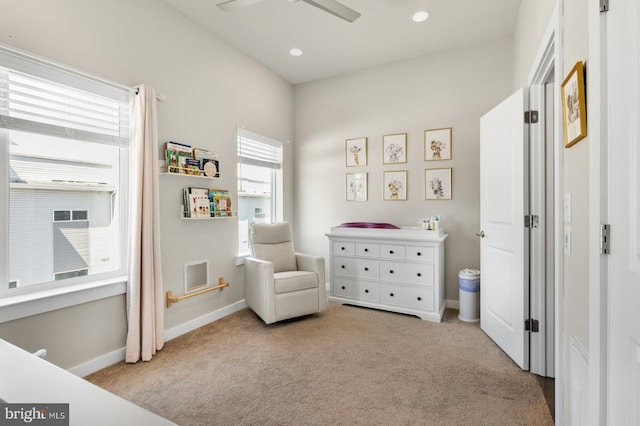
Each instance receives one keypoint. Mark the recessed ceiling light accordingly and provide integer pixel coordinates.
(420, 16)
(295, 52)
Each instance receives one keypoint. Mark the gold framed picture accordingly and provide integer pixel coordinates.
(357, 186)
(574, 110)
(356, 152)
(437, 144)
(395, 185)
(394, 148)
(437, 184)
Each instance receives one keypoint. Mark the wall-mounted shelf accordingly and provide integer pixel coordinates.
(209, 218)
(163, 171)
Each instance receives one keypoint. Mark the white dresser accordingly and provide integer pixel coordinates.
(399, 270)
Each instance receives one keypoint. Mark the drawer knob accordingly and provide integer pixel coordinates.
(366, 250)
(366, 269)
(390, 251)
(366, 290)
(342, 248)
(342, 266)
(343, 287)
(391, 294)
(419, 298)
(391, 271)
(419, 254)
(419, 274)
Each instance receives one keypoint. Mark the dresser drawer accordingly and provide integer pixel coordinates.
(343, 248)
(354, 267)
(367, 250)
(420, 254)
(362, 290)
(388, 251)
(407, 296)
(403, 272)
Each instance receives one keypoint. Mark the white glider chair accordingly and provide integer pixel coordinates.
(280, 283)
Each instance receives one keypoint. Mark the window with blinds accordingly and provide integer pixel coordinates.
(64, 143)
(259, 182)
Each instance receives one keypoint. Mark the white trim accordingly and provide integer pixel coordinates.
(118, 355)
(29, 304)
(550, 56)
(196, 323)
(598, 212)
(98, 363)
(4, 202)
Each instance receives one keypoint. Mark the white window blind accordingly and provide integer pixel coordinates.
(258, 150)
(90, 110)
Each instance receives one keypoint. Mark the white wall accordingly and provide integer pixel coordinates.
(210, 87)
(451, 89)
(576, 183)
(531, 23)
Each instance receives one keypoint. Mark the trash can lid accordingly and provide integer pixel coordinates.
(469, 273)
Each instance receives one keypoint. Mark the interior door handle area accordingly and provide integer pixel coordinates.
(480, 234)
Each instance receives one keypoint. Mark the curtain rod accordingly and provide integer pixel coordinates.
(159, 98)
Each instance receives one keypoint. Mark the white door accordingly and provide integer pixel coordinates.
(623, 393)
(504, 288)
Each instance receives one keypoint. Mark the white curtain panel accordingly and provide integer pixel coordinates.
(145, 294)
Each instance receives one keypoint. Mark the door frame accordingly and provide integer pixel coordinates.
(598, 212)
(549, 62)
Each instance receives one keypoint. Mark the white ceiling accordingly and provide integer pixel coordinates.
(383, 34)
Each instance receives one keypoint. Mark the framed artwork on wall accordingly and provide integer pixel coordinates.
(356, 186)
(395, 185)
(394, 148)
(437, 184)
(574, 110)
(356, 152)
(437, 144)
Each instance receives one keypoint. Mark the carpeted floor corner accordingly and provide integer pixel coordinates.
(346, 366)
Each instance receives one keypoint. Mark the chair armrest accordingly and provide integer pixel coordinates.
(259, 289)
(315, 264)
(310, 263)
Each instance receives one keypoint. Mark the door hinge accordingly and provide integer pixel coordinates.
(605, 238)
(531, 221)
(604, 6)
(531, 117)
(531, 325)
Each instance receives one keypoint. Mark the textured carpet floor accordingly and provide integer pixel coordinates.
(346, 366)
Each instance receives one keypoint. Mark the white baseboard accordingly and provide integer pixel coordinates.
(195, 323)
(118, 355)
(98, 363)
(452, 304)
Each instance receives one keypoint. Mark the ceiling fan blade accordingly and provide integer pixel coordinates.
(236, 4)
(335, 8)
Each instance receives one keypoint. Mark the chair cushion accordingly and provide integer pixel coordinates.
(281, 255)
(285, 282)
(272, 242)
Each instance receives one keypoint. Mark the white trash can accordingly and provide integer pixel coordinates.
(469, 286)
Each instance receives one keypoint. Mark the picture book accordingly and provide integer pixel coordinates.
(221, 202)
(176, 146)
(199, 205)
(171, 156)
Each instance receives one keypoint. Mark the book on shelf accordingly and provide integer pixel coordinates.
(197, 200)
(171, 157)
(208, 162)
(221, 202)
(177, 146)
(191, 166)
